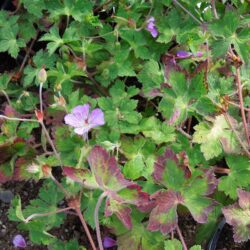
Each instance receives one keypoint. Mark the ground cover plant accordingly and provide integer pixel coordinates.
(130, 116)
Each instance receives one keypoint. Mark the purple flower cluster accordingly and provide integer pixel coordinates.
(182, 54)
(151, 27)
(82, 120)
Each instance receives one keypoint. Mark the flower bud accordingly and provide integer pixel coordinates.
(46, 170)
(42, 76)
(39, 115)
(19, 241)
(33, 168)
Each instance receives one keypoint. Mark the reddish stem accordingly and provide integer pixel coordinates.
(181, 238)
(242, 104)
(86, 229)
(221, 170)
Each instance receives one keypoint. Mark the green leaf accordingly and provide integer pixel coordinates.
(140, 237)
(55, 40)
(15, 212)
(172, 245)
(196, 247)
(214, 137)
(151, 76)
(238, 176)
(9, 41)
(4, 81)
(133, 169)
(159, 132)
(34, 7)
(78, 9)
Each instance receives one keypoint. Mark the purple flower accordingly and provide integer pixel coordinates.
(19, 241)
(151, 27)
(183, 54)
(109, 242)
(82, 120)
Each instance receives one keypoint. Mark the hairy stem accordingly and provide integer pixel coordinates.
(50, 142)
(28, 51)
(81, 157)
(17, 119)
(184, 133)
(236, 134)
(46, 214)
(40, 96)
(60, 186)
(7, 97)
(187, 11)
(181, 238)
(86, 229)
(242, 104)
(97, 225)
(214, 9)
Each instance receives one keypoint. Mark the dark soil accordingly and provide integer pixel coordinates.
(8, 229)
(71, 229)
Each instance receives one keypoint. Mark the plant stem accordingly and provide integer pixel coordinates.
(60, 186)
(236, 134)
(50, 142)
(242, 104)
(238, 106)
(187, 11)
(27, 53)
(7, 97)
(80, 158)
(40, 96)
(17, 119)
(181, 238)
(214, 9)
(97, 225)
(85, 226)
(46, 214)
(184, 133)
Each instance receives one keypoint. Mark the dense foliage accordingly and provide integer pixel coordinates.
(135, 113)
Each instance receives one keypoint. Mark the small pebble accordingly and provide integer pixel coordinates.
(6, 196)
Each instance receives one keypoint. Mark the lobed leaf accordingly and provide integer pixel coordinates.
(238, 216)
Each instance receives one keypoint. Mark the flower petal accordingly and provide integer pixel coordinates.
(154, 32)
(74, 120)
(183, 54)
(19, 241)
(151, 20)
(109, 242)
(96, 118)
(82, 130)
(82, 111)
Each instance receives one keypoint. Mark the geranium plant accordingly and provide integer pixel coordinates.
(132, 116)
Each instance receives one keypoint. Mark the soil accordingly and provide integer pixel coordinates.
(71, 229)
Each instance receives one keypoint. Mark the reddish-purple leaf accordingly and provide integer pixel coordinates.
(122, 211)
(237, 215)
(19, 173)
(174, 117)
(106, 171)
(159, 165)
(80, 175)
(134, 195)
(164, 216)
(212, 181)
(244, 199)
